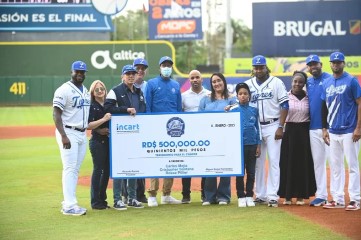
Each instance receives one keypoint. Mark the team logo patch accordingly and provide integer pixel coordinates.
(175, 127)
(355, 27)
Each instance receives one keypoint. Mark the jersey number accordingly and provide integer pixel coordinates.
(18, 88)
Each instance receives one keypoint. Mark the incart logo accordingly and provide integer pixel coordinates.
(104, 58)
(127, 128)
(355, 27)
(175, 127)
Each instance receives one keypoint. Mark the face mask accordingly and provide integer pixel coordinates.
(166, 71)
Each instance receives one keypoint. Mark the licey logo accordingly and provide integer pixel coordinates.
(175, 127)
(127, 128)
(258, 60)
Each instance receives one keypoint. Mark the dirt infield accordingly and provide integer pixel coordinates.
(347, 223)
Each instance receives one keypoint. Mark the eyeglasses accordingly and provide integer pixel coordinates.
(100, 89)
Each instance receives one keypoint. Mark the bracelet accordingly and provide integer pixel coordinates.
(280, 126)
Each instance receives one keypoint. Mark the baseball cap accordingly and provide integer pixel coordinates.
(128, 68)
(337, 56)
(140, 61)
(79, 65)
(258, 60)
(312, 58)
(164, 59)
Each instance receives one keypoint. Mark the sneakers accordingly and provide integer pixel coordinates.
(242, 202)
(186, 200)
(152, 202)
(120, 205)
(125, 200)
(250, 202)
(205, 203)
(169, 200)
(317, 202)
(272, 203)
(222, 203)
(259, 201)
(75, 211)
(287, 202)
(300, 203)
(135, 204)
(353, 206)
(333, 204)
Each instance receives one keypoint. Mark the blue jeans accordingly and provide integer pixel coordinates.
(249, 153)
(131, 188)
(214, 194)
(99, 150)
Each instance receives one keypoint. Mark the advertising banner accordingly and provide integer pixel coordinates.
(175, 20)
(279, 65)
(53, 17)
(302, 28)
(176, 145)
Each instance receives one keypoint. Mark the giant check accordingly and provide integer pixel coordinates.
(176, 145)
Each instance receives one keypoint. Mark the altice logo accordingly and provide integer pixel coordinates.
(127, 128)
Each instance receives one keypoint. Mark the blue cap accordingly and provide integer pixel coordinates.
(337, 56)
(140, 61)
(259, 60)
(165, 59)
(128, 68)
(78, 65)
(312, 58)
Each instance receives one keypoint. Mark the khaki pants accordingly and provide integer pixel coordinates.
(154, 186)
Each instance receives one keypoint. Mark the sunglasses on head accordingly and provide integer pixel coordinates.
(99, 89)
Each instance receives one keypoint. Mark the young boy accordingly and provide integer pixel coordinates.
(251, 144)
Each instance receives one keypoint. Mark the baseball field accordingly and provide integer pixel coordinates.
(30, 196)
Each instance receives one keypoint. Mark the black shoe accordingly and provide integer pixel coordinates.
(143, 199)
(186, 200)
(97, 207)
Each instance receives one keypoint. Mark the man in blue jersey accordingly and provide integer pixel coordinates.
(163, 95)
(320, 150)
(341, 109)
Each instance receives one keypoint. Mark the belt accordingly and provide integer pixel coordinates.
(75, 128)
(268, 122)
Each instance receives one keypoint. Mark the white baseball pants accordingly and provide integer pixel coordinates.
(268, 190)
(72, 159)
(320, 153)
(341, 145)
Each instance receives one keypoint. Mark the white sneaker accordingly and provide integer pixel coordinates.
(169, 200)
(250, 202)
(206, 203)
(152, 202)
(242, 202)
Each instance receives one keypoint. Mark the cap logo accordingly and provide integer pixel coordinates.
(258, 60)
(311, 58)
(336, 56)
(81, 65)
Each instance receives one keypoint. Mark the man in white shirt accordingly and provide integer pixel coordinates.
(190, 103)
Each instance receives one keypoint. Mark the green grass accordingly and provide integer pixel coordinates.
(26, 116)
(30, 196)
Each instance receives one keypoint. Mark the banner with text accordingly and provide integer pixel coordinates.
(175, 20)
(176, 145)
(52, 17)
(302, 28)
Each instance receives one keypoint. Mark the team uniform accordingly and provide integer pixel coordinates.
(340, 96)
(267, 97)
(75, 105)
(320, 150)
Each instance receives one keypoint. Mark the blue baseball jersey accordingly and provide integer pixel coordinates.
(340, 95)
(314, 92)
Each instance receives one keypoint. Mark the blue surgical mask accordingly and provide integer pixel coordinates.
(166, 71)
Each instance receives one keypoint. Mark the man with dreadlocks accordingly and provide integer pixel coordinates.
(269, 95)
